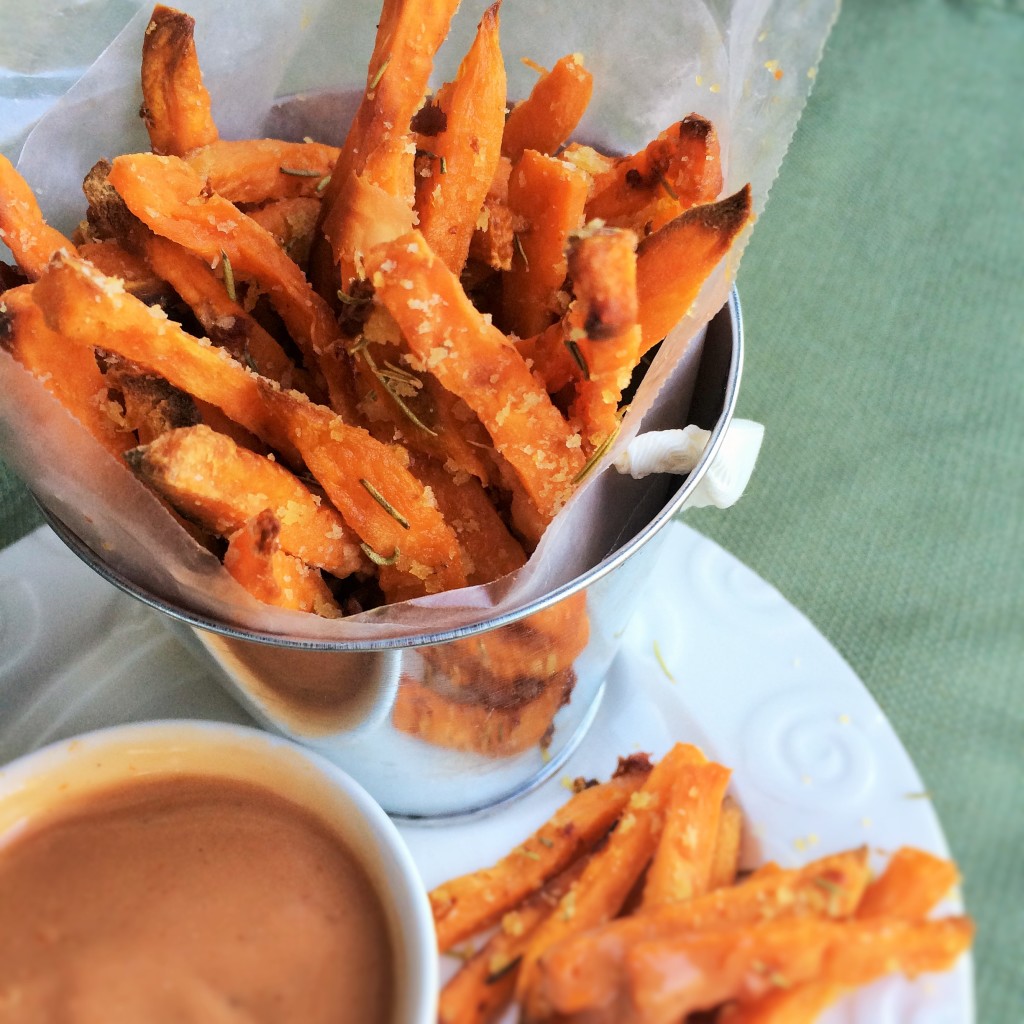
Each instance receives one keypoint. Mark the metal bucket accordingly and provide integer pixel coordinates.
(453, 723)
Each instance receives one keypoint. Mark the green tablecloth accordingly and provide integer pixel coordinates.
(883, 301)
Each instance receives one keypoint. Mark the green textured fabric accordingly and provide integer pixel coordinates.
(884, 313)
(883, 305)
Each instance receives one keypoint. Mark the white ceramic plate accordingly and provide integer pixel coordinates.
(714, 656)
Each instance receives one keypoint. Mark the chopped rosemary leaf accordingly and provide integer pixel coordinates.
(596, 456)
(379, 559)
(380, 73)
(578, 358)
(502, 971)
(828, 885)
(300, 172)
(666, 186)
(351, 300)
(395, 396)
(444, 164)
(384, 503)
(518, 243)
(229, 277)
(323, 183)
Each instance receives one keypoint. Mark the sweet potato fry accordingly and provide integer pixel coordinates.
(607, 881)
(22, 229)
(292, 222)
(549, 357)
(604, 335)
(673, 262)
(170, 198)
(484, 986)
(224, 320)
(472, 359)
(208, 478)
(176, 106)
(681, 866)
(679, 169)
(436, 718)
(109, 257)
(546, 196)
(454, 176)
(725, 860)
(393, 515)
(586, 970)
(493, 240)
(258, 170)
(409, 33)
(910, 887)
(69, 372)
(489, 551)
(256, 561)
(470, 903)
(547, 117)
(713, 967)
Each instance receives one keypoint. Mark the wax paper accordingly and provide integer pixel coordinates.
(748, 66)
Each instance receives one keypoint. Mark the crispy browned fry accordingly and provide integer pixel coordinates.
(681, 866)
(546, 197)
(292, 222)
(457, 165)
(258, 170)
(679, 169)
(208, 478)
(439, 719)
(547, 117)
(608, 879)
(674, 262)
(366, 481)
(22, 228)
(484, 986)
(224, 320)
(587, 969)
(604, 335)
(470, 903)
(725, 860)
(152, 405)
(169, 197)
(256, 561)
(742, 965)
(176, 105)
(68, 372)
(472, 359)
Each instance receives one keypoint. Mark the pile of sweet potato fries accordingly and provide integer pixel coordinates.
(368, 373)
(626, 907)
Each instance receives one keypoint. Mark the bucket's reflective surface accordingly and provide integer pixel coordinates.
(453, 723)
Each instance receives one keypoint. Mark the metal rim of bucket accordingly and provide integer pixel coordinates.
(607, 565)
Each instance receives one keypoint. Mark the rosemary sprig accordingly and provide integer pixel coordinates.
(390, 389)
(229, 277)
(378, 559)
(384, 503)
(300, 172)
(596, 456)
(375, 81)
(578, 358)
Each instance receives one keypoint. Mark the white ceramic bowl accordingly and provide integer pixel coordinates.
(75, 768)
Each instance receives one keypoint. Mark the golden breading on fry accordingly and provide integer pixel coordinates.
(210, 479)
(471, 358)
(175, 103)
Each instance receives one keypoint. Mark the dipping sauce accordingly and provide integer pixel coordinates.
(186, 899)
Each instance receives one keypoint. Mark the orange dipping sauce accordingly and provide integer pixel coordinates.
(188, 899)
